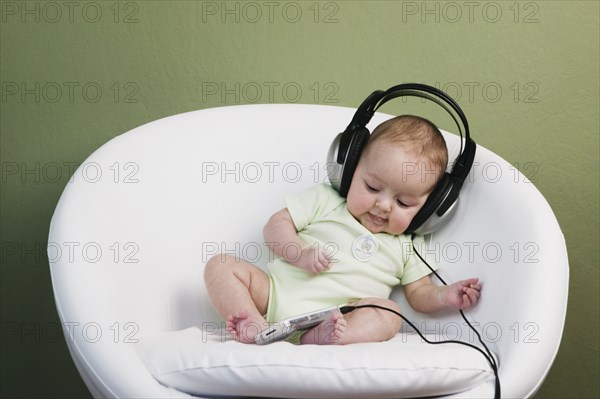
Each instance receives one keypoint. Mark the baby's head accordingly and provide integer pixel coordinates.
(401, 164)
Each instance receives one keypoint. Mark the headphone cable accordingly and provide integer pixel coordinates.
(489, 357)
(487, 353)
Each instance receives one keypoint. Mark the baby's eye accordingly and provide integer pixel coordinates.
(402, 204)
(371, 188)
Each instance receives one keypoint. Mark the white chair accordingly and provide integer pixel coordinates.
(142, 214)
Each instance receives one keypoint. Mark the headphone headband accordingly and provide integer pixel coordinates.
(378, 98)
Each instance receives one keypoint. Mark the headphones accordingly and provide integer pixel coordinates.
(346, 148)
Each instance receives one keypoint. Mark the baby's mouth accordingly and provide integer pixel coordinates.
(378, 221)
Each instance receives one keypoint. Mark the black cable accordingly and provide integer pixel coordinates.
(487, 353)
(347, 309)
(488, 356)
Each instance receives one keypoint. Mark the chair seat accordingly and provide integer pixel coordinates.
(141, 216)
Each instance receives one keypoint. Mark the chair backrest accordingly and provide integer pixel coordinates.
(142, 214)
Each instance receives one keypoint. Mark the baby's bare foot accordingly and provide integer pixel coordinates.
(327, 333)
(243, 328)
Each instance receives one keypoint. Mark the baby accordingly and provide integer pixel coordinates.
(331, 250)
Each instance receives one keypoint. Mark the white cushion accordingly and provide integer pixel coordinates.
(207, 362)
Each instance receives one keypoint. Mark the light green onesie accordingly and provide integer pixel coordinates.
(366, 265)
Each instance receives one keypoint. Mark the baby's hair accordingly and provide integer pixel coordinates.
(417, 135)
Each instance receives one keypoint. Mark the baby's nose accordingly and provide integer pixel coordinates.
(383, 205)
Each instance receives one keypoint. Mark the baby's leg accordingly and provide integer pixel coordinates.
(371, 325)
(360, 325)
(240, 293)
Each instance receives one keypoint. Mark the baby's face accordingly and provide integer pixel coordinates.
(389, 187)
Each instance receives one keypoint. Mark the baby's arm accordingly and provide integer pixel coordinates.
(281, 236)
(425, 297)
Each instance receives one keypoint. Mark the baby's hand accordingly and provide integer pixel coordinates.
(314, 260)
(463, 294)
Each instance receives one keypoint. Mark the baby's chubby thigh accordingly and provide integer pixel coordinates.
(372, 324)
(235, 284)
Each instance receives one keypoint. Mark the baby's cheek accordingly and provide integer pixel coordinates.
(353, 207)
(400, 222)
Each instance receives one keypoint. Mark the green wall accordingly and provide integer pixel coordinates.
(75, 74)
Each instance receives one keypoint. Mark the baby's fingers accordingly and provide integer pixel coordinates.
(470, 296)
(476, 287)
(326, 261)
(318, 266)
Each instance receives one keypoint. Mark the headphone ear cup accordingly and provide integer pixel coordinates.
(432, 204)
(357, 145)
